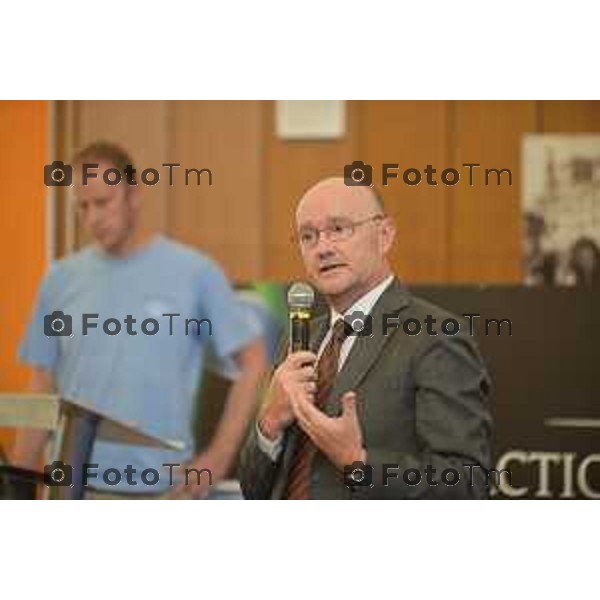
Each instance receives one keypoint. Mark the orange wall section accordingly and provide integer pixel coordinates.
(23, 153)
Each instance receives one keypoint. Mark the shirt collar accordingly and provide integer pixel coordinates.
(365, 303)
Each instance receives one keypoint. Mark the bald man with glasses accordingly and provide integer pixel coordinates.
(368, 414)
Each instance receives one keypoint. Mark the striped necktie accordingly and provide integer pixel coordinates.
(298, 484)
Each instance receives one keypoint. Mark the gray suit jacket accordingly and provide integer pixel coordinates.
(422, 401)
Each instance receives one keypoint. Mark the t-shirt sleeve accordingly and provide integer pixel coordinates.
(232, 326)
(37, 348)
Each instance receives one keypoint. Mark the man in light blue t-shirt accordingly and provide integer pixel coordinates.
(143, 312)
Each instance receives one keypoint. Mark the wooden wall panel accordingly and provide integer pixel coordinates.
(225, 219)
(412, 134)
(484, 225)
(570, 116)
(290, 169)
(245, 220)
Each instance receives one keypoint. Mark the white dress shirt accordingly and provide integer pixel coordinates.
(365, 305)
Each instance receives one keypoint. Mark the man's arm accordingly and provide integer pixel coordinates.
(453, 426)
(240, 408)
(30, 443)
(241, 404)
(294, 378)
(41, 353)
(257, 469)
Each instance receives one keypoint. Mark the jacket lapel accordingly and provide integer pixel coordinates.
(365, 350)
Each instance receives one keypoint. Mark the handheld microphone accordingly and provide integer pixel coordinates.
(301, 299)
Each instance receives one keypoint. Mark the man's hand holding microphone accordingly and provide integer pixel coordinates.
(295, 380)
(291, 395)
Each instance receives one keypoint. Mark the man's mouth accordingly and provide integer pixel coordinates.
(330, 267)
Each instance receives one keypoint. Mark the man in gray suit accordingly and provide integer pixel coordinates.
(392, 414)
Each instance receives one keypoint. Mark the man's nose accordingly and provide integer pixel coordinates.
(324, 251)
(324, 246)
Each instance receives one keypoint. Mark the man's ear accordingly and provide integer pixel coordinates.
(133, 197)
(388, 233)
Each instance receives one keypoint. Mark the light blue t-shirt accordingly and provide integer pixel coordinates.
(150, 380)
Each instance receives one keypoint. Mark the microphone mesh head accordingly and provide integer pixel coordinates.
(300, 296)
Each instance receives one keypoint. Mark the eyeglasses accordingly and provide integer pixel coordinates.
(338, 231)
